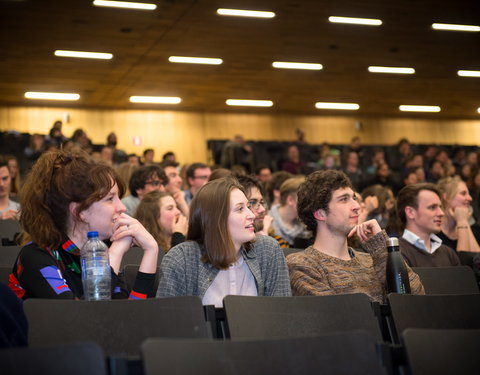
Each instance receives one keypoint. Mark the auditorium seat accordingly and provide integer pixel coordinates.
(275, 317)
(8, 255)
(118, 326)
(447, 280)
(130, 272)
(341, 353)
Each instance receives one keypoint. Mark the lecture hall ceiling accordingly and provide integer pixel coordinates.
(142, 41)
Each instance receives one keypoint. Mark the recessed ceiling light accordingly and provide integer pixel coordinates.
(469, 73)
(296, 65)
(355, 21)
(51, 95)
(478, 109)
(419, 108)
(453, 27)
(156, 99)
(250, 103)
(85, 55)
(245, 13)
(124, 4)
(345, 106)
(393, 70)
(195, 60)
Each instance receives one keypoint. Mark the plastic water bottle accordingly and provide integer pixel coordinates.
(397, 275)
(96, 276)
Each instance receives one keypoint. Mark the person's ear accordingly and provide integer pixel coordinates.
(73, 209)
(410, 212)
(320, 215)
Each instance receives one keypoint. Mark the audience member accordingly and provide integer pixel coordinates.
(352, 169)
(273, 186)
(197, 175)
(419, 208)
(386, 203)
(35, 148)
(80, 138)
(378, 158)
(459, 230)
(256, 203)
(327, 205)
(65, 196)
(237, 152)
(133, 159)
(159, 214)
(124, 171)
(119, 156)
(170, 156)
(148, 156)
(293, 164)
(435, 171)
(263, 174)
(144, 179)
(9, 209)
(15, 176)
(174, 186)
(106, 155)
(219, 173)
(220, 256)
(286, 226)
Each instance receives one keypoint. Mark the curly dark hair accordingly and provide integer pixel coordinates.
(316, 193)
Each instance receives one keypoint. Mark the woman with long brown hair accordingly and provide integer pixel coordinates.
(65, 196)
(222, 256)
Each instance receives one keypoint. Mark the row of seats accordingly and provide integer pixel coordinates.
(333, 334)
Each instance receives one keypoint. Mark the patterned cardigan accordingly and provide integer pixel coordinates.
(182, 273)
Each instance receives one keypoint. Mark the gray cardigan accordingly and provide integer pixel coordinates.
(182, 273)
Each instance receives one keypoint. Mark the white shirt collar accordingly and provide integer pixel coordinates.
(416, 241)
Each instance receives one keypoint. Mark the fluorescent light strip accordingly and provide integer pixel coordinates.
(478, 109)
(386, 69)
(453, 27)
(469, 73)
(51, 95)
(296, 65)
(156, 99)
(355, 21)
(84, 55)
(195, 60)
(124, 4)
(345, 106)
(419, 108)
(251, 103)
(245, 13)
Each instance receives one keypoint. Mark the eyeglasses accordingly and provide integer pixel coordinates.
(255, 204)
(154, 182)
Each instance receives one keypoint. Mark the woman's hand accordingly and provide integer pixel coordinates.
(366, 230)
(127, 228)
(461, 214)
(180, 225)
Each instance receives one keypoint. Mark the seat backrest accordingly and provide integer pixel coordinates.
(8, 229)
(73, 359)
(442, 352)
(8, 255)
(130, 272)
(269, 317)
(118, 326)
(352, 353)
(459, 311)
(448, 280)
(134, 256)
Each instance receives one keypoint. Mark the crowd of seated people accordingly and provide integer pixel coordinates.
(222, 221)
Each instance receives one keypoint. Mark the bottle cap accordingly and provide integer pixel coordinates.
(92, 234)
(392, 241)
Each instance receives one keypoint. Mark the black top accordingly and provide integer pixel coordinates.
(453, 243)
(45, 273)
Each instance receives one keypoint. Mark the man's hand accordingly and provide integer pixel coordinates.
(366, 230)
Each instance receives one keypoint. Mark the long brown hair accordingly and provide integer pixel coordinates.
(57, 179)
(208, 223)
(148, 213)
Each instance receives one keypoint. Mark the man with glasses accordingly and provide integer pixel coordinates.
(197, 176)
(256, 203)
(143, 180)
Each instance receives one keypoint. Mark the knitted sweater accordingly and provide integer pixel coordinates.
(415, 257)
(315, 273)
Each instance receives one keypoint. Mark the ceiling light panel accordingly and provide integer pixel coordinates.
(355, 21)
(51, 95)
(84, 55)
(249, 103)
(390, 70)
(156, 99)
(296, 65)
(343, 106)
(124, 4)
(453, 27)
(419, 108)
(469, 73)
(195, 60)
(245, 13)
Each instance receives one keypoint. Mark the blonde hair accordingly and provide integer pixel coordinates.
(448, 187)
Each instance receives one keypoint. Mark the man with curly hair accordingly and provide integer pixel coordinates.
(328, 206)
